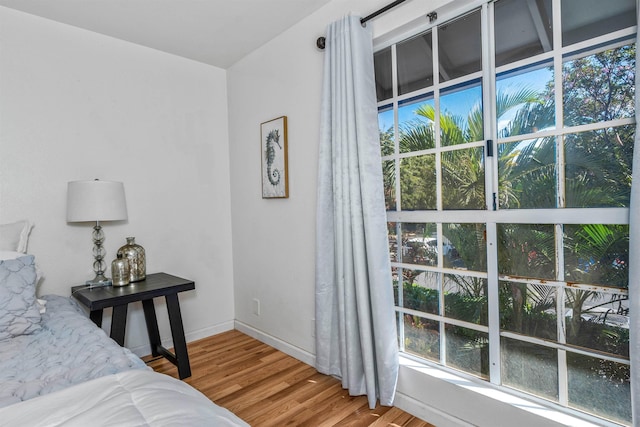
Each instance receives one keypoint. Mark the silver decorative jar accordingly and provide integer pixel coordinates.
(120, 271)
(137, 259)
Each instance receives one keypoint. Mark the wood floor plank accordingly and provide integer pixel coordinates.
(267, 387)
(395, 417)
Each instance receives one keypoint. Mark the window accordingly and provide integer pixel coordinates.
(507, 138)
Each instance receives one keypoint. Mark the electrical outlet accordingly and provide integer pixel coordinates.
(256, 306)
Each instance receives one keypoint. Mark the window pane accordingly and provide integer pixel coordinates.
(530, 367)
(527, 174)
(382, 68)
(527, 250)
(585, 19)
(418, 183)
(522, 29)
(389, 178)
(599, 87)
(415, 63)
(525, 102)
(529, 309)
(468, 350)
(418, 244)
(598, 169)
(598, 321)
(422, 337)
(460, 47)
(463, 179)
(465, 298)
(385, 128)
(465, 246)
(420, 291)
(600, 387)
(461, 114)
(597, 254)
(415, 121)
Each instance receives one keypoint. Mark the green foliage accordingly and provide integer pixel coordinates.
(418, 183)
(599, 87)
(463, 179)
(470, 243)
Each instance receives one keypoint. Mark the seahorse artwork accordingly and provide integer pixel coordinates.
(272, 137)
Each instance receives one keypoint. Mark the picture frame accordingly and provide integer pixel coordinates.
(275, 159)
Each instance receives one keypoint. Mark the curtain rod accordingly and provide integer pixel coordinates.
(321, 40)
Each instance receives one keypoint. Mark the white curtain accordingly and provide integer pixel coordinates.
(634, 256)
(355, 319)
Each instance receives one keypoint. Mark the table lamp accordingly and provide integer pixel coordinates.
(96, 201)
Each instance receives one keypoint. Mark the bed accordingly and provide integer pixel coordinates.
(57, 368)
(129, 398)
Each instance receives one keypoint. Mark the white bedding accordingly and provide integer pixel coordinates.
(127, 399)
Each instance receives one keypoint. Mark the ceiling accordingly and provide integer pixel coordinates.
(216, 32)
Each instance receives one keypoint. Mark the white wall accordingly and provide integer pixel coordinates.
(274, 238)
(79, 105)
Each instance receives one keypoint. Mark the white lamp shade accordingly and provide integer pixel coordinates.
(96, 201)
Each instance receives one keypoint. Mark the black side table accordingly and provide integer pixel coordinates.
(155, 285)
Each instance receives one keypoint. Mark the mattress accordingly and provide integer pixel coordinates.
(68, 349)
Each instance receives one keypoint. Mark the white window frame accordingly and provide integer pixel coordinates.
(492, 217)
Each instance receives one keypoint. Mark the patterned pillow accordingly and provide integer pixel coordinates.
(19, 311)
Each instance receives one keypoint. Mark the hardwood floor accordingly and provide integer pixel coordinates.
(266, 387)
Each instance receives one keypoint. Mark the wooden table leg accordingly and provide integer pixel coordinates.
(152, 326)
(118, 323)
(177, 332)
(96, 317)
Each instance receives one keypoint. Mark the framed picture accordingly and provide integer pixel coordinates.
(275, 175)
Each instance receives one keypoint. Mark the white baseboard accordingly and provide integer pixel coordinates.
(426, 412)
(293, 351)
(167, 342)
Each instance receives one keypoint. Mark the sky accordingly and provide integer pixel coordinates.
(461, 101)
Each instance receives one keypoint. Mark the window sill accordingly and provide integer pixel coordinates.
(445, 399)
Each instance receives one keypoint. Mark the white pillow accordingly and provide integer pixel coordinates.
(4, 255)
(15, 236)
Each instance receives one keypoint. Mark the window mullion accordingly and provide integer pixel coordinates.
(489, 102)
(493, 304)
(400, 275)
(438, 166)
(563, 377)
(396, 130)
(559, 106)
(436, 122)
(491, 185)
